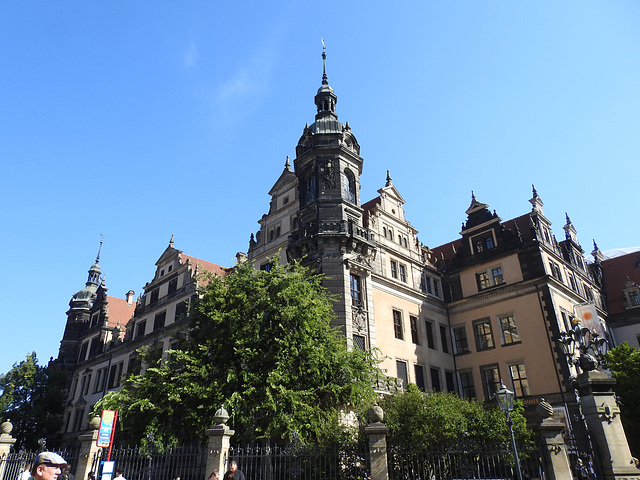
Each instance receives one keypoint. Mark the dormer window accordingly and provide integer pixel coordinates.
(632, 294)
(482, 242)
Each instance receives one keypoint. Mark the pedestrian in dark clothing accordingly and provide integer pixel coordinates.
(233, 473)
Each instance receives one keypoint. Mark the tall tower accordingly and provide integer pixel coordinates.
(330, 236)
(78, 315)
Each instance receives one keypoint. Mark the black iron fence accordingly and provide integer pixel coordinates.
(296, 463)
(188, 463)
(466, 465)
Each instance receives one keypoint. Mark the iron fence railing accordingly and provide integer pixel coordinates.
(187, 462)
(466, 465)
(290, 463)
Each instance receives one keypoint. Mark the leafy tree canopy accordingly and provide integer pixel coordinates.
(261, 345)
(624, 363)
(438, 421)
(31, 397)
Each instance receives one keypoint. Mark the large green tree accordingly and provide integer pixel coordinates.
(31, 397)
(624, 363)
(261, 345)
(438, 421)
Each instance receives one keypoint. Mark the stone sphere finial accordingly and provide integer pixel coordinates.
(221, 416)
(375, 414)
(544, 409)
(6, 427)
(94, 423)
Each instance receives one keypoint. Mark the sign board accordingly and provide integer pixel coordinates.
(107, 470)
(107, 425)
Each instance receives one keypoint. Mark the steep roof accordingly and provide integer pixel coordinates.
(616, 271)
(119, 311)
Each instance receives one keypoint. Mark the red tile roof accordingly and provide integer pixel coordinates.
(119, 311)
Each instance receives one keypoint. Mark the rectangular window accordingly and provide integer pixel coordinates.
(397, 324)
(182, 309)
(431, 342)
(359, 342)
(96, 385)
(555, 270)
(519, 378)
(483, 280)
(509, 330)
(436, 287)
(634, 298)
(114, 375)
(159, 320)
(451, 385)
(413, 322)
(443, 339)
(403, 376)
(78, 419)
(490, 380)
(467, 388)
(484, 336)
(356, 290)
(394, 269)
(427, 281)
(173, 285)
(154, 296)
(403, 273)
(419, 369)
(135, 365)
(140, 329)
(461, 343)
(496, 274)
(435, 380)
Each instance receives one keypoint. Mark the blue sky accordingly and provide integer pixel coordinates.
(140, 120)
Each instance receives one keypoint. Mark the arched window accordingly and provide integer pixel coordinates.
(349, 186)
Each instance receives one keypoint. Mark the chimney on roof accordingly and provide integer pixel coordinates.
(130, 295)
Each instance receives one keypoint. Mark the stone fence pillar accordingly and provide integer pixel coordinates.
(377, 434)
(602, 414)
(554, 449)
(6, 442)
(88, 449)
(219, 440)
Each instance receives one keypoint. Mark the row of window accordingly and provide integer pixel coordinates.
(416, 336)
(491, 277)
(401, 272)
(403, 240)
(160, 319)
(581, 289)
(491, 380)
(483, 334)
(420, 380)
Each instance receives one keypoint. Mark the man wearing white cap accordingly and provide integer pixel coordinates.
(47, 466)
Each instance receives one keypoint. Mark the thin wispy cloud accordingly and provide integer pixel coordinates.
(190, 57)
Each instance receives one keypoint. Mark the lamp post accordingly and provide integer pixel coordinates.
(505, 402)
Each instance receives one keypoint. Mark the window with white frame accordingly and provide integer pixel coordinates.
(490, 277)
(460, 340)
(509, 329)
(519, 378)
(397, 325)
(483, 334)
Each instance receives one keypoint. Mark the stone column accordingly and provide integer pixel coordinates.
(377, 434)
(6, 442)
(219, 440)
(88, 449)
(602, 415)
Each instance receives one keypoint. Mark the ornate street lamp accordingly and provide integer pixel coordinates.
(505, 402)
(584, 348)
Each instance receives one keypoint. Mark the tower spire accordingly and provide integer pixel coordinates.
(325, 79)
(100, 248)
